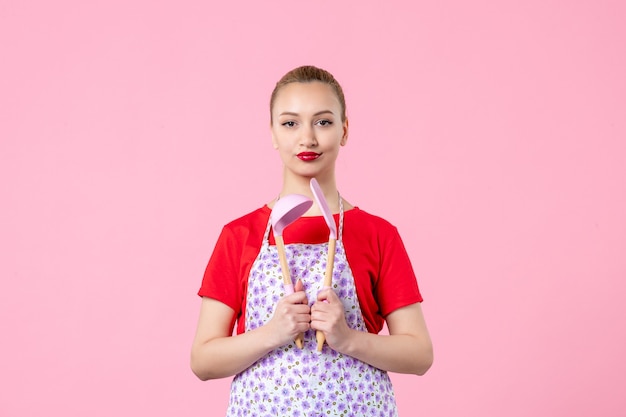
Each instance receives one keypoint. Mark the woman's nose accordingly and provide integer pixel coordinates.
(308, 137)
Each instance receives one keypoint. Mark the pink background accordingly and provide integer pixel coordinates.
(491, 133)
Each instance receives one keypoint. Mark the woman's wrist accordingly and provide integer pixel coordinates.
(267, 337)
(349, 344)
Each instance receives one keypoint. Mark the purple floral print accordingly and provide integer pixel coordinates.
(303, 382)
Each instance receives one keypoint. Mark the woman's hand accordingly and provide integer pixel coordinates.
(292, 316)
(328, 316)
(407, 349)
(216, 353)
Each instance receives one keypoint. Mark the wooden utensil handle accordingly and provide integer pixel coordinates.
(282, 257)
(330, 263)
(328, 282)
(287, 282)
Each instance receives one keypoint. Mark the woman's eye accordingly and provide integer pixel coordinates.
(325, 122)
(289, 124)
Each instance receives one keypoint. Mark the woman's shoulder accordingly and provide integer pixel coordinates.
(244, 230)
(256, 218)
(366, 222)
(360, 215)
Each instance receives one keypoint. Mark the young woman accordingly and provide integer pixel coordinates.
(373, 283)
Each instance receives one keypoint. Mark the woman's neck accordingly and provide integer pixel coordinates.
(302, 185)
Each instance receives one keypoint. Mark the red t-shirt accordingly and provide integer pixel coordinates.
(383, 274)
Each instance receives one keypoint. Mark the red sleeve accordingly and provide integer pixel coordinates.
(226, 275)
(397, 284)
(220, 280)
(383, 274)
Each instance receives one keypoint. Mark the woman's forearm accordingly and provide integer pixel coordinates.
(405, 354)
(217, 354)
(226, 356)
(407, 348)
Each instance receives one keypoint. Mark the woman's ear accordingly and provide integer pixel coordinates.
(344, 138)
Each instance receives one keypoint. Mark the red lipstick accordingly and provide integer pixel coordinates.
(308, 156)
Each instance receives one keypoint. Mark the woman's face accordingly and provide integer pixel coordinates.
(307, 129)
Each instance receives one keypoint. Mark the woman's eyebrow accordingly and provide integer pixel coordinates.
(323, 112)
(289, 113)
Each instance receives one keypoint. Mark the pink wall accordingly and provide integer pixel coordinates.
(492, 134)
